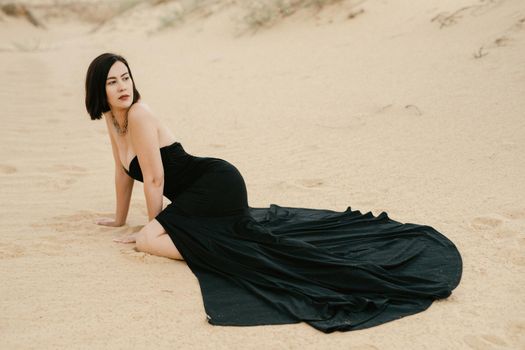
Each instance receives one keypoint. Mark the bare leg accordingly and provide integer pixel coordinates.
(153, 239)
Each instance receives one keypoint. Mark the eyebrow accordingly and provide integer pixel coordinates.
(116, 78)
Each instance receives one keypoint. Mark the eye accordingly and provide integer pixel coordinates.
(111, 82)
(126, 78)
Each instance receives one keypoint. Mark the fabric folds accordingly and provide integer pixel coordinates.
(336, 271)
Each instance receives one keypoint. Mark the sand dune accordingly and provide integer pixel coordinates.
(414, 108)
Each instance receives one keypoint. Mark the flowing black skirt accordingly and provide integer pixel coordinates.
(336, 271)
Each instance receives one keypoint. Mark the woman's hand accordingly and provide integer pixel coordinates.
(108, 222)
(127, 238)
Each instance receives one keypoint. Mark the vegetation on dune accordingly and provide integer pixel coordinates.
(266, 12)
(255, 13)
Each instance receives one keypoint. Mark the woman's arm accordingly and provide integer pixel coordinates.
(123, 185)
(143, 131)
(123, 189)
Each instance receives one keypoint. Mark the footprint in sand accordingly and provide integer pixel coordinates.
(505, 233)
(63, 175)
(501, 41)
(7, 169)
(516, 331)
(508, 227)
(408, 110)
(216, 145)
(485, 223)
(56, 244)
(50, 249)
(517, 258)
(310, 183)
(10, 251)
(505, 38)
(485, 342)
(51, 246)
(515, 214)
(301, 184)
(413, 109)
(70, 222)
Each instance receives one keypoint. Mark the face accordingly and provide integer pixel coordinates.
(118, 84)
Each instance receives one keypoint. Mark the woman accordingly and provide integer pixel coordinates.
(334, 270)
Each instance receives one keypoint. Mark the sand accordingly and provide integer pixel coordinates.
(413, 108)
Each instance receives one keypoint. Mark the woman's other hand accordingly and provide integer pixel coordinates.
(108, 222)
(127, 238)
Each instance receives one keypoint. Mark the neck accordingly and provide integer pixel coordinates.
(119, 114)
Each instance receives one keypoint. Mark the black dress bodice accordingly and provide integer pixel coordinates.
(181, 169)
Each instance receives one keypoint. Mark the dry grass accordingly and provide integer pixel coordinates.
(255, 13)
(263, 13)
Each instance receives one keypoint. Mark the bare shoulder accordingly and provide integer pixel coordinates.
(140, 113)
(142, 121)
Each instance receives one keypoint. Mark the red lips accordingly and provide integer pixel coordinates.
(123, 96)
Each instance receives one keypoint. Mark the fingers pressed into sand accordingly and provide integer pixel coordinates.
(126, 239)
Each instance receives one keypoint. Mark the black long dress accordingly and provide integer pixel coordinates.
(337, 271)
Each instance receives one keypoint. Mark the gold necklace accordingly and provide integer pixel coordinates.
(117, 126)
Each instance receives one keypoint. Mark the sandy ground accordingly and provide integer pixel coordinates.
(411, 107)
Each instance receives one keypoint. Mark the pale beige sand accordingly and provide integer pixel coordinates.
(389, 110)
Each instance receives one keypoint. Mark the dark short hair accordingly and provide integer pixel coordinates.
(97, 73)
